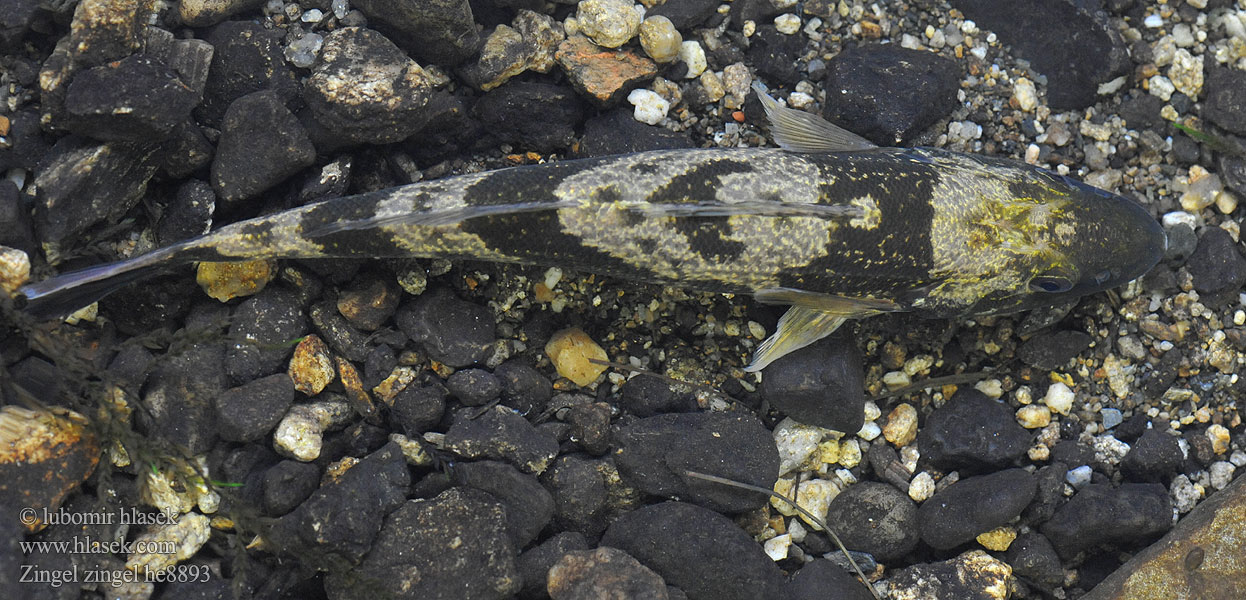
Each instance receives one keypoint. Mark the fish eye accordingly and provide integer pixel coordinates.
(1102, 277)
(1051, 284)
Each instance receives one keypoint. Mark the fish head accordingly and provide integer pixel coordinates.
(1084, 240)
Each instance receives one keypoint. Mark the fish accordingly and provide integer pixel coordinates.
(827, 223)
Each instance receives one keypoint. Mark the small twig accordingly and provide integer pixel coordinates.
(958, 378)
(808, 515)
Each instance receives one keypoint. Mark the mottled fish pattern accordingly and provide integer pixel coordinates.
(837, 229)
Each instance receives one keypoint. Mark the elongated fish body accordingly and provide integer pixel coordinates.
(835, 233)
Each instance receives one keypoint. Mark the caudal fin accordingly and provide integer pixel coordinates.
(59, 296)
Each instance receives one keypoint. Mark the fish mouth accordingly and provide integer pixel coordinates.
(1124, 242)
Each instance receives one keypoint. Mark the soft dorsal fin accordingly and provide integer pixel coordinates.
(799, 131)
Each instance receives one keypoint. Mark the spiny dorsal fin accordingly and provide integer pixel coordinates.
(799, 131)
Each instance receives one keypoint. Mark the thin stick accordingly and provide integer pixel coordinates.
(935, 382)
(801, 510)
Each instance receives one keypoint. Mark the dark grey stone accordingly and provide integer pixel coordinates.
(501, 434)
(453, 546)
(889, 94)
(1072, 42)
(1034, 559)
(1100, 515)
(188, 214)
(261, 145)
(247, 412)
(1225, 104)
(875, 518)
(451, 331)
(523, 388)
(821, 384)
(474, 387)
(960, 512)
(686, 14)
(551, 115)
(287, 484)
(442, 32)
(973, 433)
(529, 507)
(654, 453)
(618, 132)
(136, 99)
(1054, 349)
(262, 328)
(1217, 267)
(16, 230)
(579, 494)
(589, 573)
(246, 58)
(646, 395)
(338, 333)
(822, 579)
(1155, 456)
(419, 407)
(728, 564)
(534, 564)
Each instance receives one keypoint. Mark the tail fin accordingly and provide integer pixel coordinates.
(60, 296)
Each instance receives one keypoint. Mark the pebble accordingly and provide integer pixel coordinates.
(201, 13)
(43, 456)
(474, 387)
(972, 432)
(1217, 268)
(1220, 438)
(287, 484)
(247, 412)
(425, 547)
(660, 39)
(653, 453)
(1034, 416)
(901, 428)
(647, 395)
(729, 565)
(824, 579)
(797, 443)
(300, 433)
(573, 353)
(179, 392)
(1059, 398)
(1053, 350)
(529, 506)
(588, 573)
(527, 45)
(311, 367)
(787, 24)
(819, 385)
(501, 434)
(534, 564)
(922, 487)
(998, 539)
(1111, 417)
(246, 58)
(1078, 477)
(972, 506)
(1032, 557)
(136, 99)
(1025, 93)
(452, 331)
(370, 303)
(1186, 73)
(875, 518)
(1100, 515)
(184, 536)
(263, 328)
(650, 107)
(693, 55)
(602, 76)
(974, 574)
(14, 269)
(262, 143)
(609, 23)
(875, 87)
(1226, 98)
(228, 280)
(440, 32)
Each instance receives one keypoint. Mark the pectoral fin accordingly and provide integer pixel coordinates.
(812, 317)
(799, 131)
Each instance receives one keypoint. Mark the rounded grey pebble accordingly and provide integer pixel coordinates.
(875, 518)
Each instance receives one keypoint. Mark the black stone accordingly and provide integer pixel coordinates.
(973, 433)
(419, 407)
(340, 519)
(875, 518)
(529, 507)
(378, 366)
(15, 19)
(27, 142)
(179, 397)
(1054, 349)
(551, 115)
(757, 11)
(728, 564)
(824, 579)
(686, 14)
(1141, 111)
(247, 412)
(1034, 559)
(618, 132)
(646, 395)
(338, 333)
(500, 434)
(355, 59)
(534, 564)
(442, 32)
(136, 99)
(889, 94)
(188, 214)
(82, 183)
(588, 573)
(474, 387)
(185, 152)
(1048, 493)
(590, 426)
(246, 58)
(1232, 170)
(369, 303)
(1225, 104)
(1217, 267)
(453, 546)
(263, 327)
(961, 511)
(1155, 456)
(16, 230)
(821, 384)
(579, 493)
(287, 484)
(654, 453)
(772, 54)
(1099, 515)
(452, 331)
(1201, 451)
(1073, 43)
(261, 144)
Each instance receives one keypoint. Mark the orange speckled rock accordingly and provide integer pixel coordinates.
(603, 75)
(43, 456)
